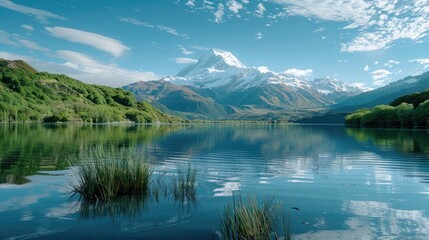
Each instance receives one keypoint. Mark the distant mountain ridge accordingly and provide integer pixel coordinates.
(232, 90)
(385, 94)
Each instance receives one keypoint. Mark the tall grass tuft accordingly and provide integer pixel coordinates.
(254, 221)
(105, 173)
(184, 185)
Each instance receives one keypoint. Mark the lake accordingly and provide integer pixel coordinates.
(338, 183)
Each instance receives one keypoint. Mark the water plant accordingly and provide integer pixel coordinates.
(184, 185)
(254, 221)
(104, 173)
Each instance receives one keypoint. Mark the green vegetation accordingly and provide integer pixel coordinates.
(251, 220)
(111, 173)
(416, 99)
(30, 96)
(406, 111)
(27, 149)
(184, 185)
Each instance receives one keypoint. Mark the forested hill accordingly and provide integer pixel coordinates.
(406, 111)
(30, 96)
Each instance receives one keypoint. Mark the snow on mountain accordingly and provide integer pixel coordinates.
(330, 85)
(218, 68)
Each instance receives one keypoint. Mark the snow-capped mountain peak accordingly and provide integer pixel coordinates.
(330, 85)
(213, 60)
(217, 68)
(224, 56)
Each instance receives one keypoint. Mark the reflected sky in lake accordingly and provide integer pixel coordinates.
(346, 183)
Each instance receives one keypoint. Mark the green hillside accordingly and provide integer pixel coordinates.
(30, 96)
(405, 111)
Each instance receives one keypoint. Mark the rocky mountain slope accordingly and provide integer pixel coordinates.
(220, 86)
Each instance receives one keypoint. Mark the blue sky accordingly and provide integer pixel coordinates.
(114, 43)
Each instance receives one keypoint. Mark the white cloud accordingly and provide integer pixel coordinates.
(376, 62)
(331, 10)
(321, 29)
(27, 27)
(361, 86)
(234, 6)
(185, 60)
(135, 22)
(380, 76)
(245, 1)
(100, 42)
(391, 63)
(259, 36)
(6, 39)
(422, 61)
(366, 68)
(92, 71)
(13, 56)
(190, 3)
(208, 5)
(32, 45)
(219, 13)
(263, 69)
(184, 50)
(86, 69)
(38, 13)
(299, 72)
(166, 29)
(173, 31)
(260, 10)
(379, 23)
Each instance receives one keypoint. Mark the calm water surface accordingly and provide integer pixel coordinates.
(347, 183)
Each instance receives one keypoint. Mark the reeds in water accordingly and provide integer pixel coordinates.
(254, 221)
(184, 185)
(105, 173)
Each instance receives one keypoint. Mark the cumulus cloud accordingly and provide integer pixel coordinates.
(299, 72)
(391, 63)
(378, 24)
(234, 6)
(190, 3)
(260, 10)
(380, 76)
(100, 42)
(38, 13)
(361, 86)
(259, 36)
(219, 13)
(185, 60)
(366, 68)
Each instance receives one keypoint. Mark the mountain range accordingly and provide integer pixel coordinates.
(219, 86)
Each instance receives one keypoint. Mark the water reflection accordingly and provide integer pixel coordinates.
(347, 183)
(29, 148)
(127, 207)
